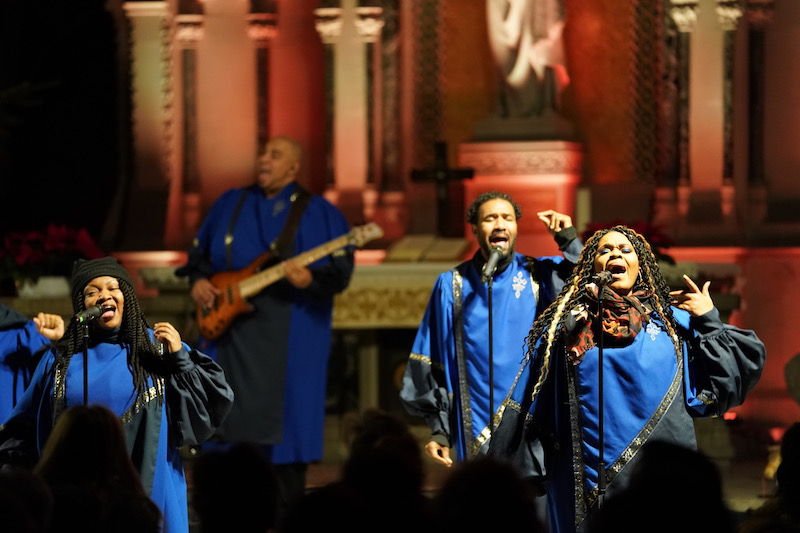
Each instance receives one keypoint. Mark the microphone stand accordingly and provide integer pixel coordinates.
(487, 276)
(491, 357)
(601, 465)
(86, 363)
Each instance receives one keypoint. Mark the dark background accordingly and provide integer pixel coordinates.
(59, 141)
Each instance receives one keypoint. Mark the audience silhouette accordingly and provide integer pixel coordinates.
(85, 480)
(235, 489)
(781, 513)
(486, 494)
(380, 488)
(26, 504)
(667, 472)
(95, 486)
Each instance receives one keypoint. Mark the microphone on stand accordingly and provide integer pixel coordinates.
(602, 278)
(87, 315)
(491, 264)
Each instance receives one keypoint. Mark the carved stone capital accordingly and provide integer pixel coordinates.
(188, 30)
(759, 13)
(262, 27)
(684, 14)
(728, 13)
(328, 22)
(369, 23)
(145, 9)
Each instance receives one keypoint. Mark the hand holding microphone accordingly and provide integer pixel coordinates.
(167, 337)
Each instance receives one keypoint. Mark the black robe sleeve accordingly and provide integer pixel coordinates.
(332, 278)
(197, 265)
(725, 362)
(198, 397)
(424, 395)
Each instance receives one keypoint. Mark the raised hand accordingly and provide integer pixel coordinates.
(697, 302)
(49, 325)
(554, 221)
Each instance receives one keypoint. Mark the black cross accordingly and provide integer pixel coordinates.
(449, 208)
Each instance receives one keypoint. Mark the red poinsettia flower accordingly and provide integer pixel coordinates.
(30, 254)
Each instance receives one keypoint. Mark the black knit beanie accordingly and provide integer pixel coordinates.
(84, 271)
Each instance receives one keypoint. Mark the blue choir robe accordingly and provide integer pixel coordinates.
(446, 377)
(194, 401)
(20, 344)
(649, 393)
(275, 358)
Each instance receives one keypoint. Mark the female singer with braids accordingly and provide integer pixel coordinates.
(667, 358)
(164, 401)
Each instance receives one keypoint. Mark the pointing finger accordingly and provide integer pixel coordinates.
(544, 217)
(691, 284)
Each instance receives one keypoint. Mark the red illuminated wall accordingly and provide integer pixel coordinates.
(297, 99)
(769, 286)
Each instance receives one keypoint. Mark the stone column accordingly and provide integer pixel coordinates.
(705, 220)
(728, 13)
(391, 213)
(758, 14)
(189, 32)
(152, 116)
(684, 14)
(262, 27)
(346, 27)
(369, 25)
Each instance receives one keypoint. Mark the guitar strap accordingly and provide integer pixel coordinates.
(282, 245)
(231, 225)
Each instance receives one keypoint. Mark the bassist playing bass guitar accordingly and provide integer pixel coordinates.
(276, 356)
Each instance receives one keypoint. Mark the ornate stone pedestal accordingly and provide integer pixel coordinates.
(539, 175)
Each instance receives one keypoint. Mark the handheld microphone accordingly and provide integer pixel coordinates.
(491, 264)
(163, 347)
(602, 278)
(87, 315)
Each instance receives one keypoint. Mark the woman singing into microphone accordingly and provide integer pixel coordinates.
(164, 401)
(667, 358)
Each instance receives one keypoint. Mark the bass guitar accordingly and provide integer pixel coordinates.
(235, 287)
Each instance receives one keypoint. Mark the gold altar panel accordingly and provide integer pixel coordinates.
(387, 296)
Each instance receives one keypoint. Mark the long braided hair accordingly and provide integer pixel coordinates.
(550, 324)
(142, 352)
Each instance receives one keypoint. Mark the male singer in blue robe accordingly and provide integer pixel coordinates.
(446, 381)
